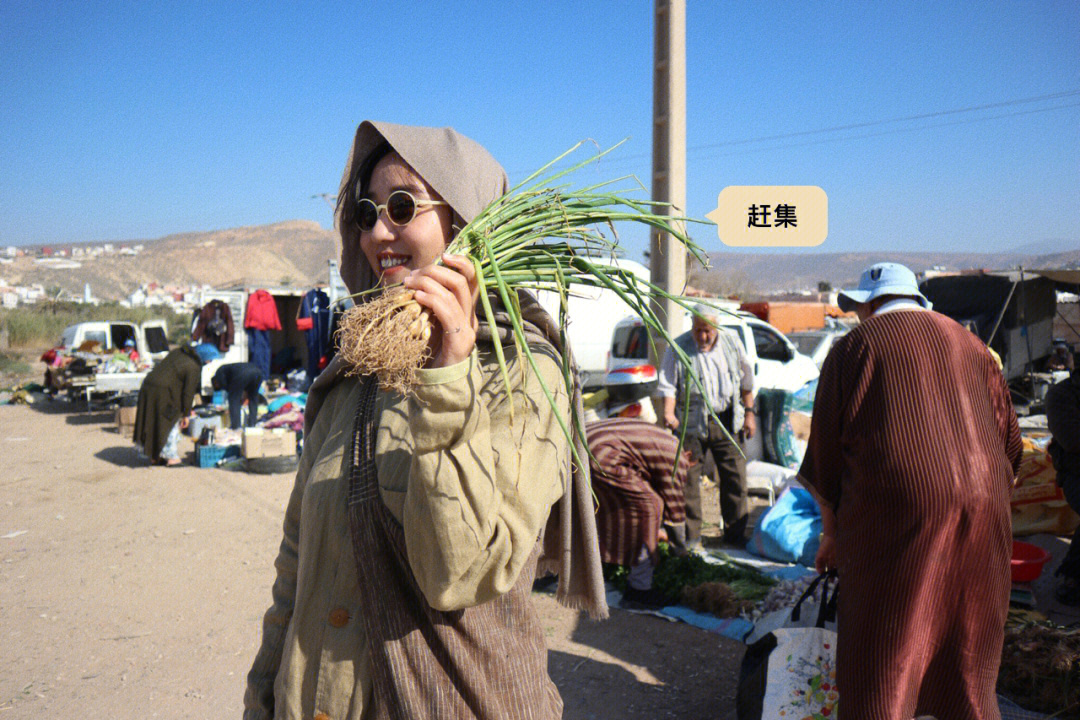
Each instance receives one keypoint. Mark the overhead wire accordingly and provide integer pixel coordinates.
(696, 149)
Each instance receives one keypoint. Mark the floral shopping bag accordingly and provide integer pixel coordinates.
(790, 673)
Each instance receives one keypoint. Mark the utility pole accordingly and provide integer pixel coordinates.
(667, 256)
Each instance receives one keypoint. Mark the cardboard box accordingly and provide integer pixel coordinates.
(259, 442)
(125, 420)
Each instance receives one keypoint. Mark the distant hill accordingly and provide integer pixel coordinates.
(764, 273)
(297, 251)
(292, 252)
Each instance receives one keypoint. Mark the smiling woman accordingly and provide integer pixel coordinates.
(410, 526)
(402, 245)
(406, 237)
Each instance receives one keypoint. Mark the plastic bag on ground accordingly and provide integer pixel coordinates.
(788, 531)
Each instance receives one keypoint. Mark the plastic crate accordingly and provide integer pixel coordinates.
(207, 456)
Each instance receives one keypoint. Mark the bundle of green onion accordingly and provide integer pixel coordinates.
(539, 235)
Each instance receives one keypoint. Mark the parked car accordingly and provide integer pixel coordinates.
(290, 341)
(775, 360)
(627, 393)
(93, 373)
(151, 338)
(816, 344)
(592, 314)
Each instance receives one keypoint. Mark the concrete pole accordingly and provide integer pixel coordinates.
(666, 255)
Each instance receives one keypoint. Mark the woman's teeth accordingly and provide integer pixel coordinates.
(387, 263)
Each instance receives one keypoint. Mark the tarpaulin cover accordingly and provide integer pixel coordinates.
(1038, 504)
(785, 420)
(980, 297)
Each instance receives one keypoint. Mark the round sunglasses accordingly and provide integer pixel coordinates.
(401, 208)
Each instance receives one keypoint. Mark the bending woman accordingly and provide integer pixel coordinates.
(416, 525)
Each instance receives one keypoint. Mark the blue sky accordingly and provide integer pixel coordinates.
(136, 120)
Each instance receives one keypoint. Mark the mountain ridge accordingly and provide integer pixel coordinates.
(296, 252)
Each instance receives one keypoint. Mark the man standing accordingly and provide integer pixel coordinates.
(1063, 419)
(913, 449)
(728, 382)
(239, 380)
(638, 486)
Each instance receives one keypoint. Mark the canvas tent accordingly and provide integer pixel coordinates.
(1012, 312)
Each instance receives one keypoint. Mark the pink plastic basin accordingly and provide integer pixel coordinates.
(1027, 561)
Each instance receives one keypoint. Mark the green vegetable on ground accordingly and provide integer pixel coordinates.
(675, 575)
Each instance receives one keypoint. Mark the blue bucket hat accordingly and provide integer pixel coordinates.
(882, 279)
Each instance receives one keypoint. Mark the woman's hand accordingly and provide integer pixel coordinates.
(449, 293)
(826, 554)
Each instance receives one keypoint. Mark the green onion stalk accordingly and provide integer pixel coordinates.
(542, 234)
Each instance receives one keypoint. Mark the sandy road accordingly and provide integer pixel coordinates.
(129, 592)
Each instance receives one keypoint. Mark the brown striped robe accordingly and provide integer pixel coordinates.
(631, 468)
(915, 443)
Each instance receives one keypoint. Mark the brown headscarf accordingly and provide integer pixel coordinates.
(467, 177)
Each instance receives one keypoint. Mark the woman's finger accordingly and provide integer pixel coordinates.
(456, 334)
(465, 267)
(439, 299)
(453, 281)
(468, 271)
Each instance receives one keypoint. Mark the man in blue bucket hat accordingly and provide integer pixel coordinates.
(881, 284)
(913, 448)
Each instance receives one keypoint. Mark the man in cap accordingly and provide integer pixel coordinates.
(1063, 419)
(913, 449)
(728, 383)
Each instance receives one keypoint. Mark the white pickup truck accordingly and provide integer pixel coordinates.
(93, 376)
(774, 358)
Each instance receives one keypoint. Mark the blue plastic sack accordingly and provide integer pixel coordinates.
(788, 531)
(207, 352)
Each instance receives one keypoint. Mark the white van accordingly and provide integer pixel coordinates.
(287, 300)
(150, 340)
(775, 360)
(151, 337)
(592, 315)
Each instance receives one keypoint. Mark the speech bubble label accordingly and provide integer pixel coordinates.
(771, 215)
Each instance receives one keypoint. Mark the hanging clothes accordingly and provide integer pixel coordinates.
(316, 307)
(261, 312)
(336, 314)
(215, 325)
(259, 350)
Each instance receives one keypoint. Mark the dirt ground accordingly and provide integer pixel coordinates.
(129, 592)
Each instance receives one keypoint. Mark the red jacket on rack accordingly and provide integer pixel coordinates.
(262, 312)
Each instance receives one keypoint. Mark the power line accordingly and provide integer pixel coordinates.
(620, 162)
(894, 132)
(872, 123)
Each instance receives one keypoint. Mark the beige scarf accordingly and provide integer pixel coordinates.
(467, 177)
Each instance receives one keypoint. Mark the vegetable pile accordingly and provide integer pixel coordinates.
(674, 573)
(715, 598)
(1040, 669)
